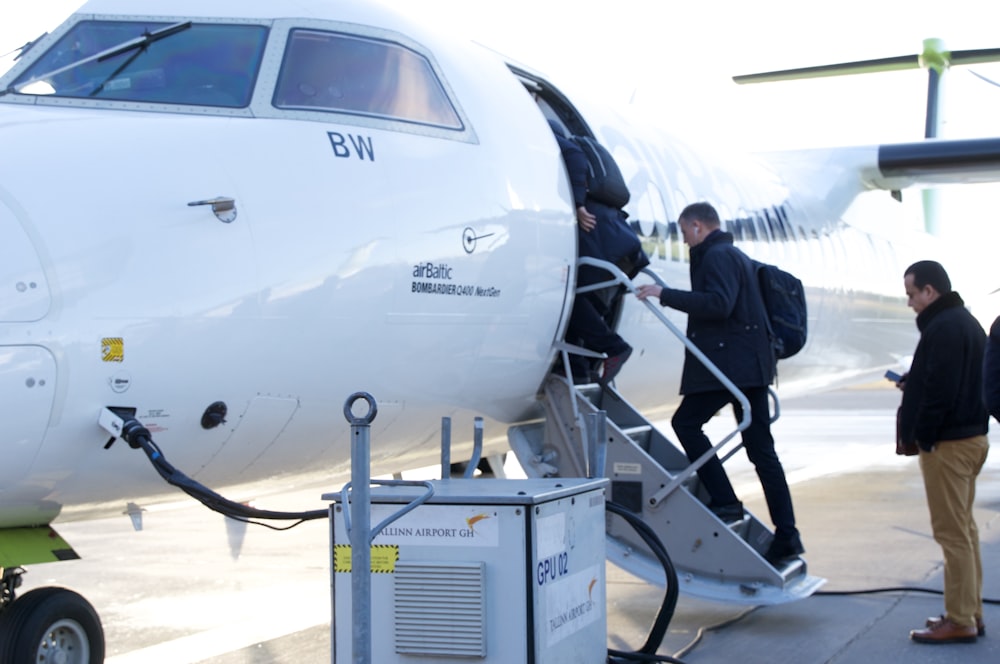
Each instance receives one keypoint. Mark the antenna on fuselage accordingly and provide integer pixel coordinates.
(935, 58)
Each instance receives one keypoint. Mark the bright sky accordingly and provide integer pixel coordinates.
(678, 57)
(674, 60)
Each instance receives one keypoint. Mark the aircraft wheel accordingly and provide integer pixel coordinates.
(51, 625)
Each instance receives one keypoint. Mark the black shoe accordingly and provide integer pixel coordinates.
(728, 513)
(613, 365)
(782, 549)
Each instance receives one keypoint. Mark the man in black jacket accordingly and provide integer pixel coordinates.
(991, 371)
(727, 322)
(943, 414)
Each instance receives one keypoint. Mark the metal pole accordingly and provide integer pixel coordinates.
(597, 436)
(445, 448)
(477, 447)
(360, 535)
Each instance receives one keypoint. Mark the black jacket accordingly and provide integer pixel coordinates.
(612, 239)
(726, 318)
(576, 164)
(943, 392)
(991, 371)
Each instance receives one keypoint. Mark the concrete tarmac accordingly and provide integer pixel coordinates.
(179, 592)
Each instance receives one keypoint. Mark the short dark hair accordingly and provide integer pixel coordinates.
(929, 272)
(702, 212)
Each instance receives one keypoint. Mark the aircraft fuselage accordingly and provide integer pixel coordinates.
(423, 252)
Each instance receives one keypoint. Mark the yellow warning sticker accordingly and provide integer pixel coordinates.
(384, 558)
(113, 349)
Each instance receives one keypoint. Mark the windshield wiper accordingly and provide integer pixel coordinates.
(145, 40)
(22, 50)
(139, 44)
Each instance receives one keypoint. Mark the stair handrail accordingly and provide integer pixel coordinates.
(619, 277)
(565, 349)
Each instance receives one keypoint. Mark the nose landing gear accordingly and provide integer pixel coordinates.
(48, 625)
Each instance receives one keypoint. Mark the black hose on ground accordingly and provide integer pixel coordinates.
(647, 653)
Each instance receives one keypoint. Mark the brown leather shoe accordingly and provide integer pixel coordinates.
(945, 631)
(980, 627)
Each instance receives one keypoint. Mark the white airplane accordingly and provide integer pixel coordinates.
(226, 217)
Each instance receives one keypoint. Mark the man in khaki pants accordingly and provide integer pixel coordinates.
(943, 414)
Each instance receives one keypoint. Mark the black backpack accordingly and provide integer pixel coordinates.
(605, 183)
(785, 303)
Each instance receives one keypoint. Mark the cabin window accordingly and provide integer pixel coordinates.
(206, 64)
(762, 226)
(736, 228)
(779, 229)
(673, 233)
(325, 71)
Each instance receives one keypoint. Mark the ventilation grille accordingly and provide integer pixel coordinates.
(440, 609)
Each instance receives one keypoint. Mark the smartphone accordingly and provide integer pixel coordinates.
(893, 376)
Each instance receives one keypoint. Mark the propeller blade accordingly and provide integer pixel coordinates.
(930, 56)
(975, 57)
(897, 63)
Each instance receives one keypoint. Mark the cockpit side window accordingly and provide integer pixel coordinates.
(327, 71)
(207, 64)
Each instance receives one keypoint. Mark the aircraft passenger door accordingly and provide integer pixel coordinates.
(144, 279)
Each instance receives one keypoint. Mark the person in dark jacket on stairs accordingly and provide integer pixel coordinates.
(590, 323)
(727, 322)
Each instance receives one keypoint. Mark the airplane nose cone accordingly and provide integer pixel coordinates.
(24, 291)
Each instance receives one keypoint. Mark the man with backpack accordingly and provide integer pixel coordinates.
(602, 234)
(727, 321)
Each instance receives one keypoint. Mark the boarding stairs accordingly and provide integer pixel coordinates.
(591, 430)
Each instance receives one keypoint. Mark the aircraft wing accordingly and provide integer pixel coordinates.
(835, 176)
(937, 161)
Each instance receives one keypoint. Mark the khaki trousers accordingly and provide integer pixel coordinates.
(950, 473)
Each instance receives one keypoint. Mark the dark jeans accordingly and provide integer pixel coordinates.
(695, 410)
(590, 327)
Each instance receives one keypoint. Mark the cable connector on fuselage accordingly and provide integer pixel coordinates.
(121, 423)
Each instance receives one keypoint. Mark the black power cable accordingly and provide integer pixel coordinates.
(893, 589)
(138, 437)
(647, 653)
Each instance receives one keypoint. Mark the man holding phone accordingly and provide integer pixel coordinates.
(943, 415)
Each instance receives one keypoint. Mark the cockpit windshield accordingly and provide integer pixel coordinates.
(206, 64)
(328, 71)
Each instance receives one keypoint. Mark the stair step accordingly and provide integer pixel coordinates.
(592, 391)
(791, 567)
(632, 432)
(639, 434)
